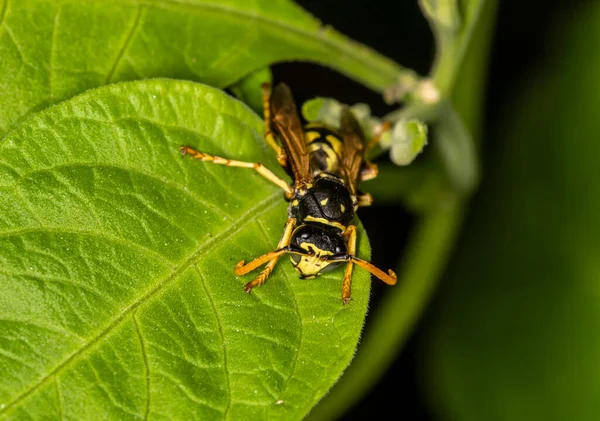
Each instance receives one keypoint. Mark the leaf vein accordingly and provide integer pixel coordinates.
(296, 355)
(3, 12)
(108, 393)
(103, 236)
(52, 52)
(19, 48)
(125, 45)
(163, 180)
(190, 394)
(145, 359)
(67, 282)
(220, 325)
(182, 357)
(59, 402)
(16, 358)
(237, 225)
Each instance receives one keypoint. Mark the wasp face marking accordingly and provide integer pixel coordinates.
(317, 241)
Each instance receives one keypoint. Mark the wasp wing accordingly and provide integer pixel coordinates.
(286, 122)
(353, 149)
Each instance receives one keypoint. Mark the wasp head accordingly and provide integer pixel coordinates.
(313, 242)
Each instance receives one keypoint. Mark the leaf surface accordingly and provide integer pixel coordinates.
(118, 293)
(54, 49)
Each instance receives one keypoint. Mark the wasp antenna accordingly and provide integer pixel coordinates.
(389, 278)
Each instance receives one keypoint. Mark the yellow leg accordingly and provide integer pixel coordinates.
(365, 199)
(389, 278)
(385, 126)
(269, 136)
(350, 234)
(350, 257)
(271, 257)
(257, 166)
(370, 170)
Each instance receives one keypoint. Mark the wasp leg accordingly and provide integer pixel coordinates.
(364, 199)
(370, 170)
(257, 166)
(269, 136)
(389, 278)
(350, 234)
(350, 257)
(271, 257)
(385, 126)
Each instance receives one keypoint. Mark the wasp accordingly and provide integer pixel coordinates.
(326, 166)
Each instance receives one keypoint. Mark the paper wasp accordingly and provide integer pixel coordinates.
(326, 166)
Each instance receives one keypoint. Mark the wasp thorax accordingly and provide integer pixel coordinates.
(316, 241)
(326, 201)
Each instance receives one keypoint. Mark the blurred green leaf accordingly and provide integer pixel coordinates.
(517, 336)
(323, 110)
(328, 111)
(118, 293)
(54, 49)
(456, 149)
(408, 140)
(249, 89)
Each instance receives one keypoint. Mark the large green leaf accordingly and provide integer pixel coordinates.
(118, 298)
(51, 50)
(518, 334)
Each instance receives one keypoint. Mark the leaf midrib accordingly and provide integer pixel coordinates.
(126, 44)
(3, 11)
(262, 207)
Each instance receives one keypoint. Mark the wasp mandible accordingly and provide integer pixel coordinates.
(326, 166)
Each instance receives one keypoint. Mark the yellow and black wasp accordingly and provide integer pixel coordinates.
(326, 166)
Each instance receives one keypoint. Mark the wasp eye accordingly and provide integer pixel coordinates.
(305, 235)
(338, 250)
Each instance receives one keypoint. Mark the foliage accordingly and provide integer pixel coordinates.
(117, 293)
(516, 334)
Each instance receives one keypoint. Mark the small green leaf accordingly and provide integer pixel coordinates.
(325, 110)
(329, 111)
(54, 49)
(118, 292)
(249, 89)
(408, 138)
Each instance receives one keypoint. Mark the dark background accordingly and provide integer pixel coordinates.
(399, 31)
